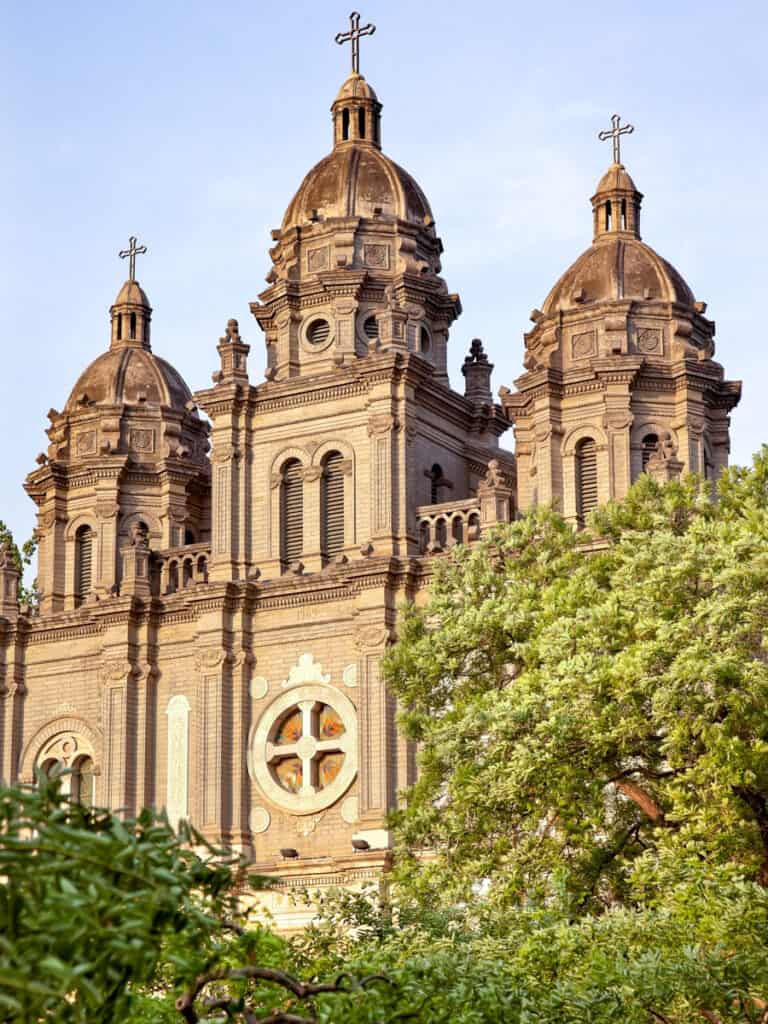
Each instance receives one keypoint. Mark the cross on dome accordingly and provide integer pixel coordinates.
(615, 133)
(132, 252)
(353, 36)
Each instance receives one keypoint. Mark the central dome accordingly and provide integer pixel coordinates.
(356, 179)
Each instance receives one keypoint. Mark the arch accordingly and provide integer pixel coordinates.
(74, 525)
(457, 530)
(150, 520)
(435, 482)
(423, 536)
(578, 433)
(290, 452)
(55, 727)
(441, 532)
(187, 573)
(332, 489)
(648, 448)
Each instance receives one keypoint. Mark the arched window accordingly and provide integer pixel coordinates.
(291, 512)
(435, 481)
(650, 446)
(586, 478)
(83, 783)
(457, 530)
(332, 505)
(83, 564)
(361, 122)
(623, 214)
(133, 326)
(608, 217)
(345, 124)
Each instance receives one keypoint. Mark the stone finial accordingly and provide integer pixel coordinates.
(233, 353)
(496, 491)
(664, 464)
(477, 374)
(9, 584)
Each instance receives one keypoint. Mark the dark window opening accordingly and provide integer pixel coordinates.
(623, 214)
(83, 564)
(345, 124)
(371, 328)
(133, 325)
(291, 512)
(650, 446)
(586, 478)
(189, 537)
(119, 327)
(332, 505)
(361, 122)
(83, 782)
(425, 341)
(608, 215)
(435, 483)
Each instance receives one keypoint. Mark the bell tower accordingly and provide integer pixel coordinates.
(620, 376)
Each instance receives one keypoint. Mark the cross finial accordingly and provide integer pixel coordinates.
(132, 252)
(615, 133)
(353, 36)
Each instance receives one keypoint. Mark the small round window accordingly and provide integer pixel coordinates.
(318, 332)
(371, 328)
(426, 341)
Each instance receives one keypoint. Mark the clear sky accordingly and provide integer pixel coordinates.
(191, 125)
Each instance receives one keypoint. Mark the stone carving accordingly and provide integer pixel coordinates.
(349, 675)
(178, 759)
(6, 558)
(138, 536)
(306, 670)
(376, 256)
(350, 810)
(318, 259)
(142, 439)
(259, 687)
(86, 442)
(260, 820)
(209, 658)
(307, 825)
(584, 345)
(648, 340)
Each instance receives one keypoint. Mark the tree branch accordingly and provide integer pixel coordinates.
(643, 800)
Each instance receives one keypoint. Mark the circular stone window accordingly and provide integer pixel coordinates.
(318, 333)
(304, 749)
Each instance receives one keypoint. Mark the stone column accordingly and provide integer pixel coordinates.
(213, 711)
(377, 732)
(9, 585)
(115, 677)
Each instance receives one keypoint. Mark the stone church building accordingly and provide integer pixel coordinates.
(220, 571)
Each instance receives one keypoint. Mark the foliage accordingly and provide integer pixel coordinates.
(22, 556)
(104, 920)
(591, 709)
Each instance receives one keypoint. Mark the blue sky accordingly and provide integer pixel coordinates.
(192, 124)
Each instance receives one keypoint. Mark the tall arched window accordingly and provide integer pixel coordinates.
(586, 478)
(650, 445)
(291, 512)
(332, 505)
(83, 564)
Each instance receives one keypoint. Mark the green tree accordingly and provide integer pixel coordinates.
(591, 708)
(22, 556)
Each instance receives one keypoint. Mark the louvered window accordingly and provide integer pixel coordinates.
(291, 512)
(650, 445)
(332, 505)
(586, 478)
(371, 328)
(83, 563)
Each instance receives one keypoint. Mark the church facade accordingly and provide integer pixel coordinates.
(220, 572)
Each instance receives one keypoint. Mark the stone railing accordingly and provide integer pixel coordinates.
(451, 522)
(177, 568)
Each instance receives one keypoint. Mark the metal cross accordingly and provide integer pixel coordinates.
(615, 133)
(132, 252)
(353, 36)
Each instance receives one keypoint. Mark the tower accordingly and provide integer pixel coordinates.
(619, 370)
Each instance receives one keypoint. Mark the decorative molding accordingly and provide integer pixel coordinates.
(260, 820)
(259, 688)
(306, 670)
(349, 675)
(350, 810)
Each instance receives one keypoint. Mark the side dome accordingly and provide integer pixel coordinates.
(357, 181)
(129, 376)
(617, 268)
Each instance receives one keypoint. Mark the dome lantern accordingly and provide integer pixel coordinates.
(616, 202)
(131, 312)
(356, 110)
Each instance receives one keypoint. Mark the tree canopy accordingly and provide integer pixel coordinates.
(591, 707)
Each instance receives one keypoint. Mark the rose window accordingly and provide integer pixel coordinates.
(304, 750)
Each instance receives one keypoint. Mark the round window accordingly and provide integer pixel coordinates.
(318, 332)
(304, 750)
